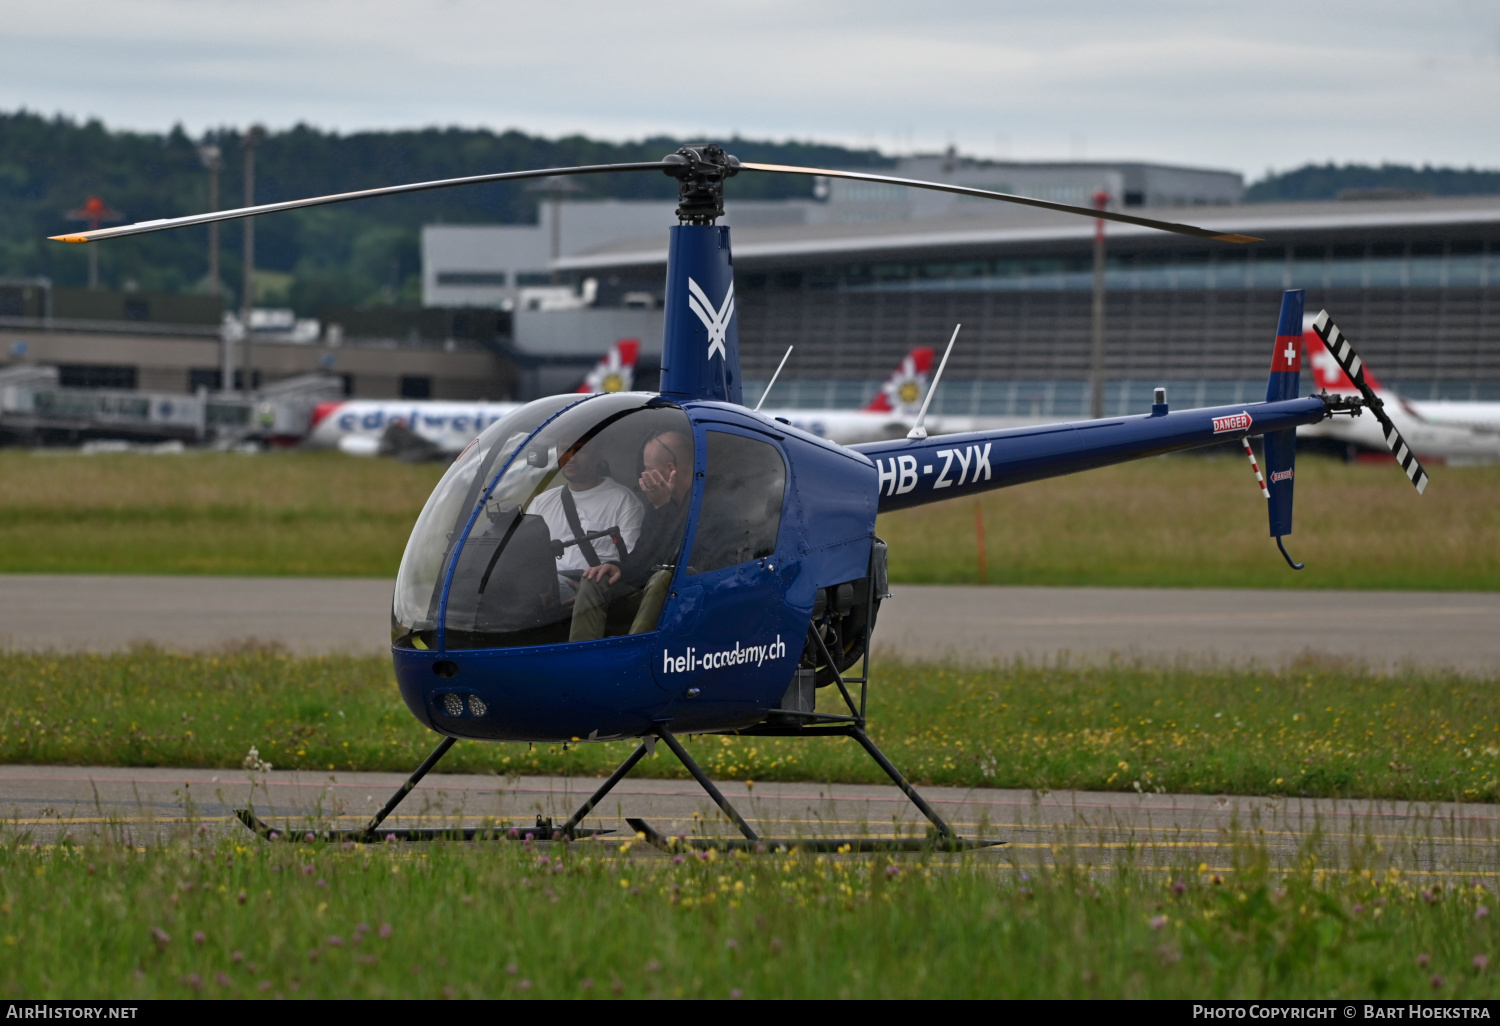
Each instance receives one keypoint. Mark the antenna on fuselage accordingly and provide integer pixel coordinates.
(917, 429)
(773, 379)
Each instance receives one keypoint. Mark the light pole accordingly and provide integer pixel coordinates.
(95, 211)
(1096, 350)
(213, 161)
(555, 189)
(253, 138)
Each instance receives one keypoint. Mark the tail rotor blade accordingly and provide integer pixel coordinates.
(1342, 349)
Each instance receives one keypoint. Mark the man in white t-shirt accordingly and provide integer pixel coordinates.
(600, 504)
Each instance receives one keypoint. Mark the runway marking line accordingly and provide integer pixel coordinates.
(1103, 868)
(1146, 842)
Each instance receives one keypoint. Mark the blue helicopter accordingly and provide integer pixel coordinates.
(649, 565)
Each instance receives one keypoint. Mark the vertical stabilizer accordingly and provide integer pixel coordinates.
(903, 391)
(1281, 446)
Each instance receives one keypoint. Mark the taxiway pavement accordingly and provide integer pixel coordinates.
(309, 615)
(1160, 832)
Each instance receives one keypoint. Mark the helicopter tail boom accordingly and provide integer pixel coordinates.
(914, 472)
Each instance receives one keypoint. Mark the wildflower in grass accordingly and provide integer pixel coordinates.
(1423, 959)
(384, 931)
(736, 994)
(1437, 982)
(240, 897)
(587, 983)
(223, 980)
(1481, 912)
(731, 944)
(524, 985)
(237, 957)
(653, 966)
(162, 937)
(193, 980)
(512, 969)
(1179, 888)
(1481, 962)
(335, 941)
(307, 870)
(1157, 922)
(198, 937)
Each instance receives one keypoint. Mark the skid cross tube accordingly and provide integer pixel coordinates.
(703, 781)
(567, 829)
(411, 782)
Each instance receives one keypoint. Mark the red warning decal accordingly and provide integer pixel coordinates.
(1234, 422)
(1281, 475)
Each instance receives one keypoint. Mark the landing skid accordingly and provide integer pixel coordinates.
(840, 845)
(543, 830)
(941, 837)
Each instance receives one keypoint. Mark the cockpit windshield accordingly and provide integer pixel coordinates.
(576, 538)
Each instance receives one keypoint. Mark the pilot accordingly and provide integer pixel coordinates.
(591, 502)
(667, 484)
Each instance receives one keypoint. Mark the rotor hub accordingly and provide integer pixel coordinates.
(700, 172)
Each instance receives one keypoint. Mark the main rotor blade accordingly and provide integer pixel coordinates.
(1338, 344)
(1006, 197)
(162, 224)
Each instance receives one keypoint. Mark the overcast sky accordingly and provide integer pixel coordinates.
(1247, 86)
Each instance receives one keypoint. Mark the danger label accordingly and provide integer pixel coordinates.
(1234, 422)
(1281, 475)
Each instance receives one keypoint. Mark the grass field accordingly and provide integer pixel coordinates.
(232, 917)
(1191, 521)
(1185, 521)
(305, 514)
(1312, 730)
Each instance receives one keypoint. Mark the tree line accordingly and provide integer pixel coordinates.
(362, 253)
(367, 253)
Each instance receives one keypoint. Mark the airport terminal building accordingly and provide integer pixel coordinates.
(1415, 282)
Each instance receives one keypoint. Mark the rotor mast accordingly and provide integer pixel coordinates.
(700, 343)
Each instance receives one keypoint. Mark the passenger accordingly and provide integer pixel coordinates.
(646, 570)
(599, 504)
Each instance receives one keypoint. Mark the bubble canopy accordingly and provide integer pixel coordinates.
(561, 485)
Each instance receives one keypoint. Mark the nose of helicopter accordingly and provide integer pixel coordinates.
(588, 691)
